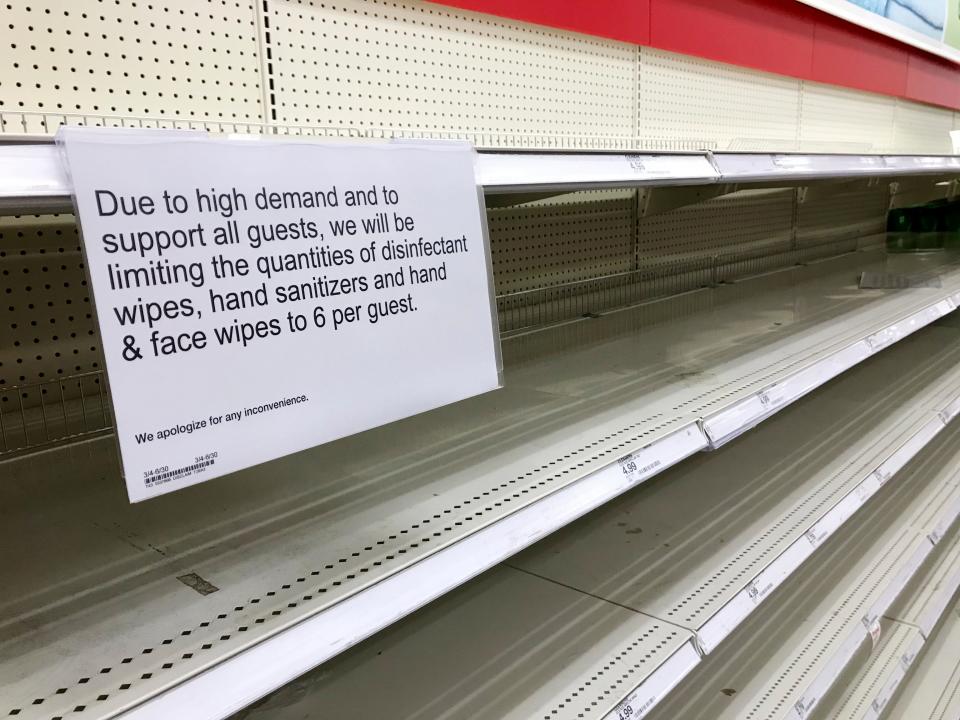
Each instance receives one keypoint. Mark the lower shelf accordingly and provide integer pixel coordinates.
(906, 630)
(791, 658)
(603, 618)
(932, 689)
(314, 552)
(865, 695)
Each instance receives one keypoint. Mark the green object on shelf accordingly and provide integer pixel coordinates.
(932, 226)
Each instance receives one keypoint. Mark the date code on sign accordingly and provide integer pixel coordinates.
(163, 474)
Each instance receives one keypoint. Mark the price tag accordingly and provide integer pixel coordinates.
(758, 589)
(633, 708)
(882, 475)
(873, 628)
(906, 660)
(636, 163)
(633, 471)
(804, 706)
(815, 536)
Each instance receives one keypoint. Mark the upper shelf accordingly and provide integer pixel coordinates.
(538, 172)
(32, 178)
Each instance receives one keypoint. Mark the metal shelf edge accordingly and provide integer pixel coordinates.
(32, 178)
(728, 618)
(870, 625)
(729, 423)
(657, 685)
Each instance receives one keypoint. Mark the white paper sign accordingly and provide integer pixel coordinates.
(260, 297)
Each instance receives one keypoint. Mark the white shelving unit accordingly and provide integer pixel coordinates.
(605, 617)
(304, 571)
(631, 527)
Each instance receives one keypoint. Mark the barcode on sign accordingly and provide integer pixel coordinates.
(179, 472)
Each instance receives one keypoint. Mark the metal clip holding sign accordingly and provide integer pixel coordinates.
(259, 297)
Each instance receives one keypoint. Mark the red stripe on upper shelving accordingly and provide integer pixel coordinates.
(931, 79)
(740, 32)
(777, 36)
(844, 54)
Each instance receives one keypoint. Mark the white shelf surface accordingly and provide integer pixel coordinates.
(906, 630)
(761, 167)
(788, 660)
(924, 608)
(315, 552)
(865, 696)
(932, 690)
(774, 498)
(32, 178)
(696, 535)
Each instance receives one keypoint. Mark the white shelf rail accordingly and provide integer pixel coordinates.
(786, 664)
(931, 688)
(907, 630)
(32, 179)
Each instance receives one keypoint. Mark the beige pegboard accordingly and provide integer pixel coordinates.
(163, 58)
(842, 212)
(687, 102)
(576, 237)
(922, 129)
(836, 119)
(417, 66)
(46, 318)
(410, 68)
(750, 220)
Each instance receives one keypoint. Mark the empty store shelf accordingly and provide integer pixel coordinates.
(314, 552)
(905, 632)
(789, 659)
(603, 618)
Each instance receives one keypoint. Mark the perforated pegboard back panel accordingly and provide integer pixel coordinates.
(50, 358)
(163, 58)
(833, 119)
(922, 129)
(46, 316)
(409, 68)
(577, 237)
(417, 66)
(846, 212)
(750, 220)
(689, 103)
